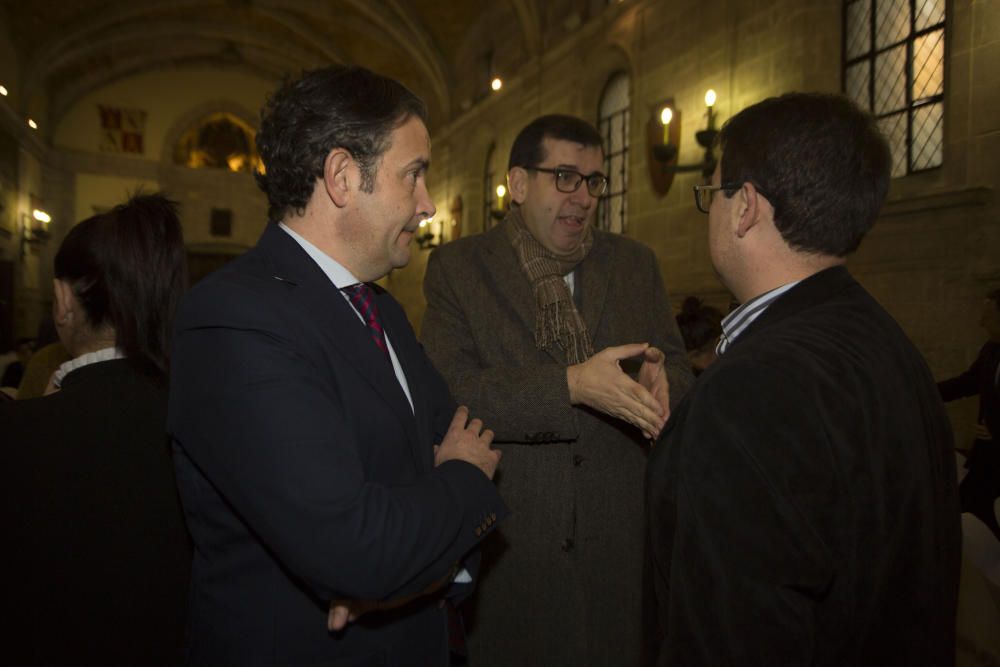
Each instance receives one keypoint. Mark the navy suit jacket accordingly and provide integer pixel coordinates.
(304, 473)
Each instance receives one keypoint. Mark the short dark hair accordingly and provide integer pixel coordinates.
(700, 325)
(347, 107)
(820, 161)
(127, 269)
(528, 149)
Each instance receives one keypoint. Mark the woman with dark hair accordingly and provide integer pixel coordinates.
(700, 327)
(102, 557)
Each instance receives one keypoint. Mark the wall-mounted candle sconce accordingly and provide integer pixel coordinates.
(500, 211)
(34, 228)
(664, 137)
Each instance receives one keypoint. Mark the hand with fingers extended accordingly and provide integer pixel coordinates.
(600, 383)
(653, 377)
(467, 441)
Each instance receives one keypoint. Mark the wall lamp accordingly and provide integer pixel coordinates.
(664, 142)
(500, 212)
(34, 228)
(426, 238)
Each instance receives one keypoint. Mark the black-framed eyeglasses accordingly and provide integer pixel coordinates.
(568, 180)
(703, 193)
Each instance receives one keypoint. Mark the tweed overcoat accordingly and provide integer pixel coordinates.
(563, 577)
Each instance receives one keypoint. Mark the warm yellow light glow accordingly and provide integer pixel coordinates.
(41, 216)
(496, 83)
(32, 124)
(425, 222)
(665, 117)
(3, 91)
(501, 191)
(710, 98)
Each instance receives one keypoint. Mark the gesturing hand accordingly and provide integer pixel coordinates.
(653, 378)
(467, 441)
(600, 383)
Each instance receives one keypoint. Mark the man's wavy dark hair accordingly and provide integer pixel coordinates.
(335, 107)
(821, 162)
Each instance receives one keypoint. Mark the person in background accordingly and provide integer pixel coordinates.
(49, 355)
(102, 557)
(981, 485)
(12, 374)
(701, 327)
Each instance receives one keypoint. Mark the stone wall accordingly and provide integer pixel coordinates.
(936, 248)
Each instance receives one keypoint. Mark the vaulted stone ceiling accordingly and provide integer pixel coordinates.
(68, 48)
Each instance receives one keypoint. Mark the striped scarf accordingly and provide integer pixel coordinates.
(557, 321)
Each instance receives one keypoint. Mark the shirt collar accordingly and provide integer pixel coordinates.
(104, 354)
(334, 270)
(736, 322)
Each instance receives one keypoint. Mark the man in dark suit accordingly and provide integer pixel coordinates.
(529, 323)
(802, 500)
(304, 413)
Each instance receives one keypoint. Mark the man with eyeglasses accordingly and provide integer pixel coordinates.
(534, 325)
(802, 499)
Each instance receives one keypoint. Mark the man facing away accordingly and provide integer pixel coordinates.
(530, 323)
(802, 500)
(304, 412)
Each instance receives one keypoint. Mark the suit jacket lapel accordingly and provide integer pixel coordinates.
(408, 353)
(510, 282)
(592, 280)
(342, 328)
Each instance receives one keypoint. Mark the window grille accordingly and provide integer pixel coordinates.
(613, 123)
(894, 63)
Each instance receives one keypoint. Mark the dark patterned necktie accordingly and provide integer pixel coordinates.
(363, 298)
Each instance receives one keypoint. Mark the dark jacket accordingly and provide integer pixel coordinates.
(305, 474)
(802, 500)
(980, 380)
(97, 532)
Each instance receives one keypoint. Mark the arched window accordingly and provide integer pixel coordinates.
(613, 122)
(220, 140)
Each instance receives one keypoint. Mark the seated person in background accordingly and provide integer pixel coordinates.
(101, 566)
(700, 327)
(49, 355)
(981, 486)
(12, 374)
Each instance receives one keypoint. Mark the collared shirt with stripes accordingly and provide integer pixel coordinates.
(737, 321)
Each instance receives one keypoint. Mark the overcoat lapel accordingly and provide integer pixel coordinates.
(592, 279)
(341, 327)
(510, 284)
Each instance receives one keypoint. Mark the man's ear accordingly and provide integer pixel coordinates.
(62, 308)
(338, 178)
(517, 184)
(749, 208)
